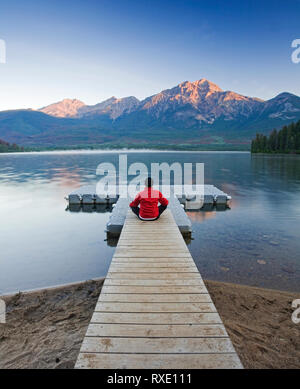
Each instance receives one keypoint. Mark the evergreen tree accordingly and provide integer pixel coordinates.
(286, 140)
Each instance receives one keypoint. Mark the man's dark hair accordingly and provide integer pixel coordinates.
(149, 182)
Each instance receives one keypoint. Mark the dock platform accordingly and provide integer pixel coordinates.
(154, 310)
(87, 194)
(86, 198)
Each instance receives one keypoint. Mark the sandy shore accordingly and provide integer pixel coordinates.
(45, 328)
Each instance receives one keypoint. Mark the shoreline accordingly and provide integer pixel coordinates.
(45, 327)
(122, 150)
(53, 287)
(77, 283)
(97, 279)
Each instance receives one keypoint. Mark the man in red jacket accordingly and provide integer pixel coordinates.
(148, 200)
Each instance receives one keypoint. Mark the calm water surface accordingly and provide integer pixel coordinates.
(256, 242)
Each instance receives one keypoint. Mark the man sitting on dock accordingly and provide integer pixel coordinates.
(148, 200)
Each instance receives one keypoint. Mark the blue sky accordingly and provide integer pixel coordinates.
(92, 50)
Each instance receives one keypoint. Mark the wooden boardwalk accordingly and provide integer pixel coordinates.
(154, 310)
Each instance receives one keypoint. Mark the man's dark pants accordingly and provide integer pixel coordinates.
(161, 208)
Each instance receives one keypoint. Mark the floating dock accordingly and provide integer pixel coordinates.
(87, 197)
(154, 310)
(87, 194)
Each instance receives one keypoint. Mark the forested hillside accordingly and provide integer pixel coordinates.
(286, 140)
(9, 148)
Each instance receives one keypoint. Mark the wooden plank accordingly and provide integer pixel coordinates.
(131, 218)
(152, 276)
(157, 330)
(156, 247)
(152, 249)
(151, 240)
(155, 345)
(147, 283)
(138, 241)
(150, 297)
(156, 318)
(147, 265)
(152, 245)
(162, 231)
(136, 269)
(145, 247)
(154, 310)
(151, 235)
(141, 289)
(150, 254)
(153, 307)
(142, 242)
(158, 361)
(151, 230)
(152, 226)
(132, 268)
(153, 260)
(161, 239)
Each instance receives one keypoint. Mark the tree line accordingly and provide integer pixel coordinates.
(286, 140)
(6, 147)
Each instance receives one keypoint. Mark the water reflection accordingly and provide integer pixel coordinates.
(99, 208)
(256, 242)
(208, 211)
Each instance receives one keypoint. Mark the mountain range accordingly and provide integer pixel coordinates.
(191, 114)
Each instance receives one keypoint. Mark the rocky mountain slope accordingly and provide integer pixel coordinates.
(191, 113)
(66, 108)
(112, 107)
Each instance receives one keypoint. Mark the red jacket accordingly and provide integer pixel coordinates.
(148, 200)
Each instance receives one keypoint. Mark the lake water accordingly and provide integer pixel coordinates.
(256, 242)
